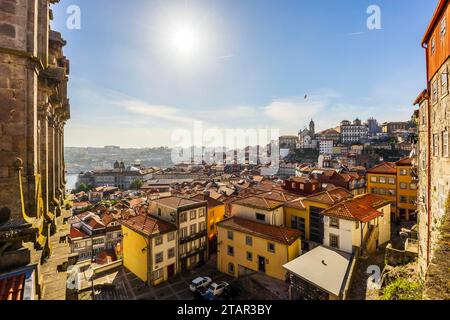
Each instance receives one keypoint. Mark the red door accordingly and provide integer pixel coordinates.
(171, 271)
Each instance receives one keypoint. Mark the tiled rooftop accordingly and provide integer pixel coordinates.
(262, 230)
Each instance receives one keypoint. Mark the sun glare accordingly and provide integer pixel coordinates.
(184, 40)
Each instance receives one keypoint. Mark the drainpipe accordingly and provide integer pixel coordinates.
(428, 157)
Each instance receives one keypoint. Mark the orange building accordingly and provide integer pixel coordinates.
(394, 182)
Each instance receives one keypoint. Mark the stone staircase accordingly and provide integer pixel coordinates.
(54, 269)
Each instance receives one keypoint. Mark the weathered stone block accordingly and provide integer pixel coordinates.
(5, 143)
(8, 30)
(4, 172)
(14, 128)
(8, 6)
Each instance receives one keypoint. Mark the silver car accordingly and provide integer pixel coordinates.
(200, 282)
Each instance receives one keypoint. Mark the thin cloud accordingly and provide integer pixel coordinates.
(352, 34)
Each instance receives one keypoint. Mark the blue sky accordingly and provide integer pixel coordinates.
(256, 61)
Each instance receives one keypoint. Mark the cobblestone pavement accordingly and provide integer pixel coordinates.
(129, 287)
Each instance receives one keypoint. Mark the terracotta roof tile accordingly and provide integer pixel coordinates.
(77, 233)
(259, 203)
(176, 202)
(331, 197)
(278, 234)
(148, 225)
(383, 168)
(363, 208)
(404, 162)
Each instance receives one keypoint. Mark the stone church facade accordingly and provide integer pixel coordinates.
(34, 109)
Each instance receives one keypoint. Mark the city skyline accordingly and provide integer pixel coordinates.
(255, 78)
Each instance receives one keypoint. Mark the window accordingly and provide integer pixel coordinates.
(423, 160)
(436, 145)
(230, 251)
(183, 249)
(249, 256)
(444, 82)
(334, 241)
(382, 179)
(202, 226)
(158, 241)
(171, 253)
(159, 212)
(434, 94)
(271, 247)
(445, 144)
(334, 222)
(158, 274)
(382, 191)
(391, 192)
(403, 199)
(404, 172)
(159, 257)
(403, 186)
(260, 217)
(413, 186)
(231, 268)
(230, 235)
(391, 180)
(249, 241)
(193, 215)
(299, 223)
(424, 116)
(183, 217)
(183, 233)
(193, 229)
(171, 236)
(443, 27)
(433, 45)
(373, 179)
(201, 212)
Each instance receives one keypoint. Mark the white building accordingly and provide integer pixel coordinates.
(353, 132)
(363, 222)
(326, 147)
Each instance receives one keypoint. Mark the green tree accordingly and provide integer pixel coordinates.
(136, 184)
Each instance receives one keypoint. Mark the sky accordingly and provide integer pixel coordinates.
(141, 70)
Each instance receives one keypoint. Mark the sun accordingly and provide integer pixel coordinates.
(184, 40)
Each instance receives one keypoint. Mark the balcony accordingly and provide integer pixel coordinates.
(193, 237)
(193, 252)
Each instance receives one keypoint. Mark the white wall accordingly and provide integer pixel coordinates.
(275, 217)
(350, 236)
(345, 233)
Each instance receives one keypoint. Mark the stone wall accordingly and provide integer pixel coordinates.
(438, 168)
(33, 111)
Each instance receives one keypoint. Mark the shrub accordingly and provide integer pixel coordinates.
(403, 289)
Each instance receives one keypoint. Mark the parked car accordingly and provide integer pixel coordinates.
(200, 282)
(231, 293)
(215, 290)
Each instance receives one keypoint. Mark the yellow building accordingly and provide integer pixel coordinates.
(150, 248)
(304, 214)
(216, 213)
(246, 246)
(406, 191)
(393, 181)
